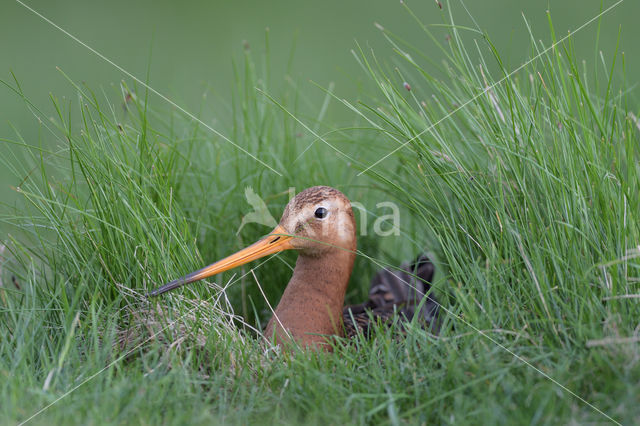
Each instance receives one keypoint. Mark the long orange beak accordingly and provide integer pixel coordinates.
(276, 241)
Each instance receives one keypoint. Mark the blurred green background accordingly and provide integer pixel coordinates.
(188, 46)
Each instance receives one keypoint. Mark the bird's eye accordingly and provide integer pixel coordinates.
(321, 213)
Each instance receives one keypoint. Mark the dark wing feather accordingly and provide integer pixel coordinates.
(396, 292)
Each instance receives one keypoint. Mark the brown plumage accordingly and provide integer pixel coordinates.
(396, 293)
(320, 225)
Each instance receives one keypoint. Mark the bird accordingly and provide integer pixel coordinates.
(320, 225)
(397, 291)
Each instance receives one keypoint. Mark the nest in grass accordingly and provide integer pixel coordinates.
(187, 329)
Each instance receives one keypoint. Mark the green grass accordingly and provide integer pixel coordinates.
(527, 197)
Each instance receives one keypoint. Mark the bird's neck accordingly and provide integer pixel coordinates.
(312, 303)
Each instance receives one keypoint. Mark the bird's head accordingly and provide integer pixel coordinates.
(316, 221)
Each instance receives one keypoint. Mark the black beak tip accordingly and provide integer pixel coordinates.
(168, 287)
(156, 292)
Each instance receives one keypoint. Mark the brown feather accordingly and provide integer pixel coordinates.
(396, 293)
